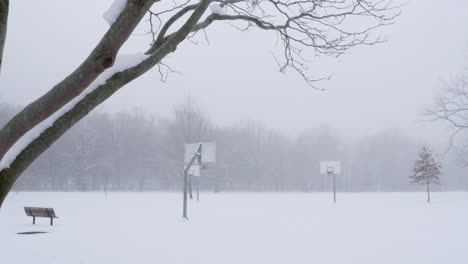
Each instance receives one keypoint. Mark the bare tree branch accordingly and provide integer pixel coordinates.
(321, 27)
(4, 8)
(451, 107)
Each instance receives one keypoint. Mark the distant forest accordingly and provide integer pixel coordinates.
(132, 151)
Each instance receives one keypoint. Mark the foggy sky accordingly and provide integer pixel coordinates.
(234, 77)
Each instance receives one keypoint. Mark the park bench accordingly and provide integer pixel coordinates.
(40, 212)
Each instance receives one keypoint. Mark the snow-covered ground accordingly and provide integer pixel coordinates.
(238, 228)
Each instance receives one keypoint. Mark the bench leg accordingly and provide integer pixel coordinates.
(34, 220)
(51, 221)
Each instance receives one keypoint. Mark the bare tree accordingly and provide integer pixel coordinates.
(451, 107)
(328, 27)
(194, 125)
(83, 143)
(426, 170)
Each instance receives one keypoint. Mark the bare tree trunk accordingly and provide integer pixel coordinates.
(6, 182)
(104, 186)
(3, 27)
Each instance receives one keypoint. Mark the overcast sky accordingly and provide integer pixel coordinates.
(234, 77)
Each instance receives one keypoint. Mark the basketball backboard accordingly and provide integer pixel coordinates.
(208, 152)
(329, 167)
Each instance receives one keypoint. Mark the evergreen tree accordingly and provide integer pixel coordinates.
(426, 170)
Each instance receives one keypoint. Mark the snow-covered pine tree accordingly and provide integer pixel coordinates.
(426, 170)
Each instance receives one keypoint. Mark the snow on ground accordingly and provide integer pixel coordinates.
(238, 228)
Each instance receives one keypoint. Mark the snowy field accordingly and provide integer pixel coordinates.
(239, 228)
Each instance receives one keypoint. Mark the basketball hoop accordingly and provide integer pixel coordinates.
(331, 168)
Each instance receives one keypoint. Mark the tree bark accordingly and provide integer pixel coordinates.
(9, 175)
(3, 27)
(101, 58)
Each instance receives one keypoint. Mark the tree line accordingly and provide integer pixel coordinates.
(132, 151)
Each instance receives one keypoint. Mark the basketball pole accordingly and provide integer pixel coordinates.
(198, 184)
(184, 210)
(196, 155)
(198, 188)
(190, 186)
(330, 168)
(334, 188)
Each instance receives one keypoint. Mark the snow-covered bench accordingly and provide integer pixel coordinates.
(40, 212)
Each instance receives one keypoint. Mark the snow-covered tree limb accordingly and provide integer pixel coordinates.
(100, 59)
(33, 150)
(4, 8)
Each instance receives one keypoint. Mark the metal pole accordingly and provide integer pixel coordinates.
(186, 170)
(190, 187)
(184, 213)
(198, 188)
(334, 188)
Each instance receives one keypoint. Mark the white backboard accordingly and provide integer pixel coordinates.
(208, 152)
(194, 171)
(327, 167)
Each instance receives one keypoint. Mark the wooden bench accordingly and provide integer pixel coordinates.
(40, 212)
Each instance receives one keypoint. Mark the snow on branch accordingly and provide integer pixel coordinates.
(122, 63)
(217, 9)
(114, 11)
